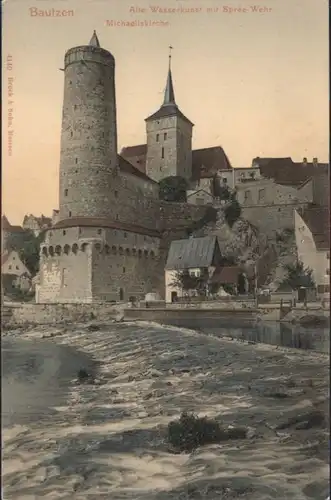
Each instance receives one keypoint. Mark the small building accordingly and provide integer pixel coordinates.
(312, 235)
(197, 256)
(227, 276)
(14, 273)
(36, 224)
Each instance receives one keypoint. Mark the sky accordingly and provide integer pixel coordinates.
(255, 83)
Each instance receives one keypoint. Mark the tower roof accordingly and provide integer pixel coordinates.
(94, 42)
(169, 106)
(169, 93)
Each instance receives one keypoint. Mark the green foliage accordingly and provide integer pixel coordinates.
(232, 211)
(173, 188)
(190, 432)
(209, 216)
(186, 282)
(298, 276)
(28, 246)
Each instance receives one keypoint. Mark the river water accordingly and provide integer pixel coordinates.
(48, 451)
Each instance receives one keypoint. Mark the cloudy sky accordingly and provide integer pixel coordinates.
(255, 83)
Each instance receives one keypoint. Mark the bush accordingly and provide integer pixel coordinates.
(232, 212)
(173, 188)
(83, 376)
(190, 432)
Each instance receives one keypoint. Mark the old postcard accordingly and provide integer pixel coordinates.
(165, 266)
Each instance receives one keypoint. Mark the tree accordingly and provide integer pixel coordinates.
(185, 281)
(28, 246)
(173, 188)
(298, 276)
(232, 211)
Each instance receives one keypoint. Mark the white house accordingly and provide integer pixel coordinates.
(12, 266)
(312, 234)
(196, 255)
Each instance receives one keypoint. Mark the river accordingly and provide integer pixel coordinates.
(62, 440)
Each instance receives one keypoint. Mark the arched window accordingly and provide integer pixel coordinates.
(84, 247)
(107, 249)
(113, 250)
(44, 251)
(66, 249)
(146, 253)
(74, 248)
(120, 250)
(58, 250)
(51, 251)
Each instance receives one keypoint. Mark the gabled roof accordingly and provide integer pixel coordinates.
(130, 151)
(6, 226)
(191, 253)
(317, 220)
(4, 258)
(226, 275)
(207, 161)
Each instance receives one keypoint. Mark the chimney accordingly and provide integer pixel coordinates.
(315, 162)
(304, 161)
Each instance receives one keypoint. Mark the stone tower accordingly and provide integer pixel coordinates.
(169, 138)
(88, 161)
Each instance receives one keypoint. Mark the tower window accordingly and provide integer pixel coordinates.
(66, 192)
(116, 194)
(162, 153)
(125, 235)
(123, 269)
(71, 133)
(99, 231)
(165, 136)
(75, 106)
(63, 232)
(116, 216)
(157, 137)
(69, 213)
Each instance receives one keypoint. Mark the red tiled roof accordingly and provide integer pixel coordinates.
(126, 166)
(205, 162)
(6, 226)
(318, 221)
(226, 275)
(102, 222)
(287, 172)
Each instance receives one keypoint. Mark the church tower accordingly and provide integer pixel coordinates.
(88, 160)
(169, 138)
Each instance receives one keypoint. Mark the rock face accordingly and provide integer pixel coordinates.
(249, 246)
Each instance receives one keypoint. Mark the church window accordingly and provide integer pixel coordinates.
(165, 136)
(162, 153)
(157, 137)
(66, 192)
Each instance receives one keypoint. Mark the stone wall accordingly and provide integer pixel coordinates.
(169, 148)
(178, 215)
(270, 219)
(45, 314)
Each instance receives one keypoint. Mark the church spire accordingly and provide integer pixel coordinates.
(94, 40)
(169, 94)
